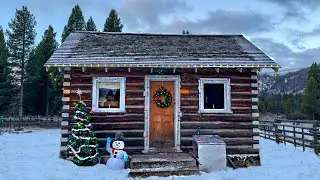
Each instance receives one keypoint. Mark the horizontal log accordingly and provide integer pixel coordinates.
(242, 104)
(189, 99)
(203, 117)
(216, 125)
(189, 103)
(231, 150)
(129, 88)
(134, 107)
(189, 107)
(111, 133)
(235, 111)
(130, 109)
(118, 118)
(129, 142)
(102, 150)
(118, 126)
(248, 115)
(220, 132)
(241, 108)
(135, 102)
(135, 84)
(229, 141)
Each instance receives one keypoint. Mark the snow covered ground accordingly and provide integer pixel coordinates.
(34, 156)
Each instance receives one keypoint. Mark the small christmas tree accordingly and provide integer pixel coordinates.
(82, 144)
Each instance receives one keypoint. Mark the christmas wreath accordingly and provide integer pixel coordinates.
(168, 98)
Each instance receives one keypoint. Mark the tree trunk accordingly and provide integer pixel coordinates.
(22, 74)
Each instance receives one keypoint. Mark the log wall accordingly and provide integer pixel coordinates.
(239, 129)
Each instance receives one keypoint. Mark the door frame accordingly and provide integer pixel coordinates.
(177, 113)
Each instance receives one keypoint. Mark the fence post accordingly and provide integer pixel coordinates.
(284, 134)
(315, 131)
(302, 136)
(276, 133)
(294, 135)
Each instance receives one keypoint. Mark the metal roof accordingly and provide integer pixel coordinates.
(158, 50)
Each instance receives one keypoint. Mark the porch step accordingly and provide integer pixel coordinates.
(164, 172)
(163, 164)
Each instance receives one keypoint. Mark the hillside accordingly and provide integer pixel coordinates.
(292, 82)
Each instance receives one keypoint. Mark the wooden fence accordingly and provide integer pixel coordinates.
(10, 123)
(303, 133)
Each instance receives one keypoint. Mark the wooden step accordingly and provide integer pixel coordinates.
(159, 160)
(162, 164)
(168, 171)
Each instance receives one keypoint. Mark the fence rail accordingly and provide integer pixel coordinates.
(303, 133)
(9, 122)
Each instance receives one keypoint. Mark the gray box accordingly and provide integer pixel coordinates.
(210, 151)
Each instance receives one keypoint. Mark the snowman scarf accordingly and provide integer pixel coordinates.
(114, 149)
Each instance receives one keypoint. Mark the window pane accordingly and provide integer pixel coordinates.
(213, 96)
(109, 95)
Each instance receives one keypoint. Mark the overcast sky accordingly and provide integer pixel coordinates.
(286, 30)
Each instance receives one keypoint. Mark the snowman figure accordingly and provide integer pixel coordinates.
(118, 156)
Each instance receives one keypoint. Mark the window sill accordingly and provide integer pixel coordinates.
(109, 111)
(215, 111)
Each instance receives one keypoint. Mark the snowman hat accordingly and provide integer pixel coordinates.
(119, 136)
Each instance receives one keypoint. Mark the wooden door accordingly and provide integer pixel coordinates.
(161, 119)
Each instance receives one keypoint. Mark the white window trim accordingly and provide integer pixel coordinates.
(227, 94)
(96, 80)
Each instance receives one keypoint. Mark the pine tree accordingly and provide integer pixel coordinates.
(185, 32)
(31, 85)
(6, 87)
(20, 42)
(90, 25)
(113, 22)
(310, 100)
(262, 107)
(287, 106)
(82, 144)
(314, 71)
(75, 23)
(38, 84)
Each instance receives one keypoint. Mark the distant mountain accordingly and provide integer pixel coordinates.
(291, 82)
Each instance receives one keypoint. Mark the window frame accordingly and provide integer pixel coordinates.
(95, 93)
(227, 94)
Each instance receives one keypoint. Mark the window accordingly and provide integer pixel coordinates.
(214, 95)
(108, 94)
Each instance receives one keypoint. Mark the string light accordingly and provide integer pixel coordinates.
(170, 66)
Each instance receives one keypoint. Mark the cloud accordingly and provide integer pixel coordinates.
(284, 56)
(148, 16)
(296, 8)
(226, 22)
(142, 14)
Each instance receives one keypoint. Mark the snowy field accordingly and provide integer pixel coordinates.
(34, 156)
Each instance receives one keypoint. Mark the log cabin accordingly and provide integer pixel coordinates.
(161, 89)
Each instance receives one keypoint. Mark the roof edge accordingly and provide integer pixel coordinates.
(155, 34)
